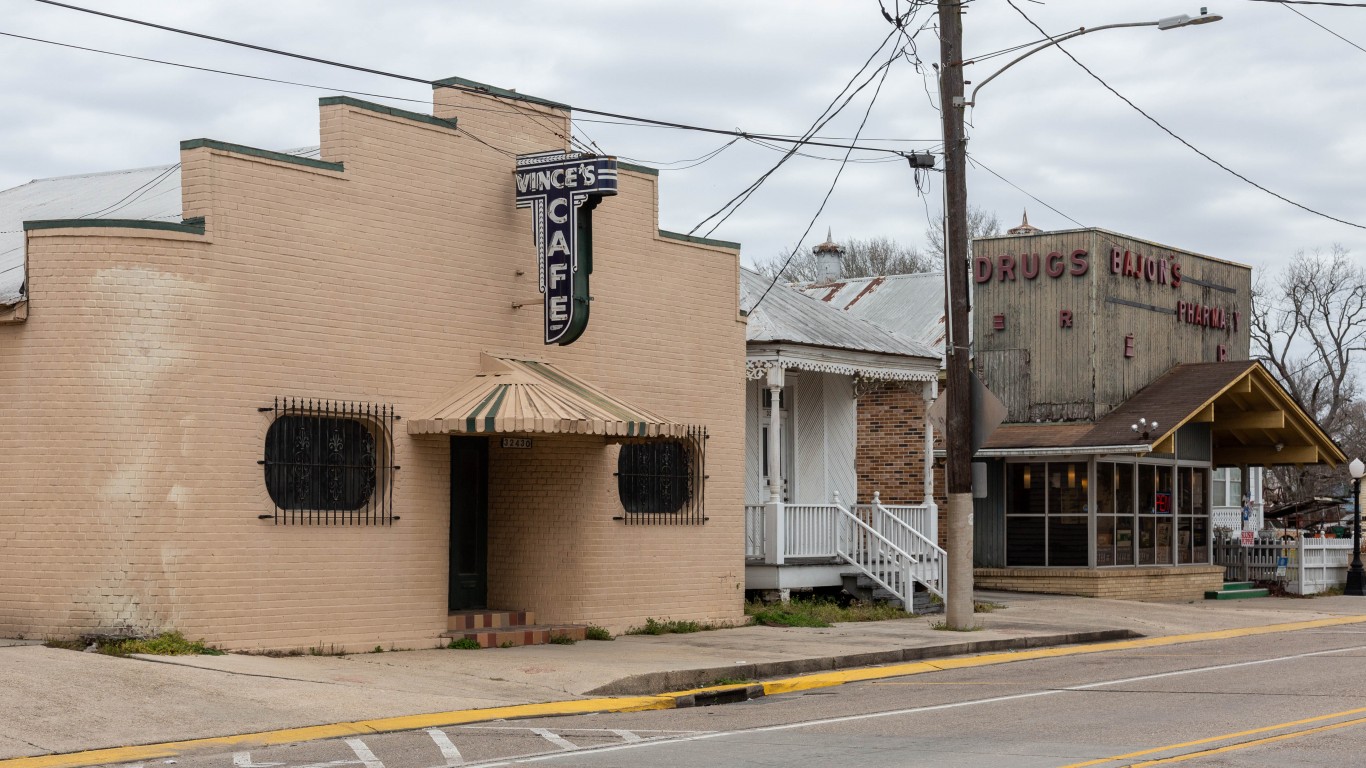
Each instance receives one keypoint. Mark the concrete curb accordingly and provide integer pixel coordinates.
(1029, 648)
(650, 683)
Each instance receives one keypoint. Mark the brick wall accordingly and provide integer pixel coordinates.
(1184, 582)
(130, 436)
(891, 449)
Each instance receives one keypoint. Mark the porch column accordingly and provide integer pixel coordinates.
(930, 390)
(774, 523)
(1246, 501)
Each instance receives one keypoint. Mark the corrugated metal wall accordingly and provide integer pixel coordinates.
(989, 520)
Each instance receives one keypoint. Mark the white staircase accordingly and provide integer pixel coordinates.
(889, 552)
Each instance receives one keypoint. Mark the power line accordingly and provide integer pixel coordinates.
(1311, 2)
(1322, 27)
(1173, 134)
(512, 101)
(797, 248)
(1023, 191)
(828, 114)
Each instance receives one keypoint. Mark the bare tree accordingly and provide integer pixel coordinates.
(981, 223)
(1309, 329)
(862, 258)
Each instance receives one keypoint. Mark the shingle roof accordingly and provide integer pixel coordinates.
(1218, 393)
(788, 315)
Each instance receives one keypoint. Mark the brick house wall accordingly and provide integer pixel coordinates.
(130, 434)
(890, 458)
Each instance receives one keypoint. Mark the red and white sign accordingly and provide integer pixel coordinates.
(1249, 538)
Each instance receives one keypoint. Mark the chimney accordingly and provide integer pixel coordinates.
(829, 260)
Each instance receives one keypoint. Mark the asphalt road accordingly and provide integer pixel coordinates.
(1287, 699)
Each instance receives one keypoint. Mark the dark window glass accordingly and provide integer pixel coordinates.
(1067, 537)
(1025, 541)
(320, 463)
(654, 477)
(1026, 489)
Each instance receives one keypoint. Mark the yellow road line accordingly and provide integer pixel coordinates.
(1246, 744)
(825, 679)
(628, 704)
(1224, 737)
(335, 730)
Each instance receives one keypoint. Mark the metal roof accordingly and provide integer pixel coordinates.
(140, 193)
(911, 306)
(788, 315)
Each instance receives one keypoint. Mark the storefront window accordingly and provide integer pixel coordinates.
(1047, 514)
(1145, 514)
(1025, 507)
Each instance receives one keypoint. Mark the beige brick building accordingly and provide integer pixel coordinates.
(148, 369)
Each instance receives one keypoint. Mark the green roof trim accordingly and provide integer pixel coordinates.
(193, 226)
(698, 240)
(265, 154)
(493, 90)
(371, 106)
(637, 168)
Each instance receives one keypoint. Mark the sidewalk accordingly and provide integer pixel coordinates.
(56, 701)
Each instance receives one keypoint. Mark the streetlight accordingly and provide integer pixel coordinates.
(958, 370)
(1171, 22)
(1355, 583)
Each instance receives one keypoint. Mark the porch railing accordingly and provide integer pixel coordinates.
(810, 530)
(754, 530)
(896, 555)
(1312, 565)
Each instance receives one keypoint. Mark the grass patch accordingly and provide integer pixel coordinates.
(820, 612)
(464, 644)
(943, 626)
(676, 627)
(562, 640)
(595, 632)
(164, 644)
(983, 606)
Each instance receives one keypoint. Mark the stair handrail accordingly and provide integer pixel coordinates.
(942, 571)
(887, 549)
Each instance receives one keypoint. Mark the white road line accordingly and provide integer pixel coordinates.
(626, 736)
(243, 760)
(552, 738)
(448, 750)
(911, 710)
(363, 752)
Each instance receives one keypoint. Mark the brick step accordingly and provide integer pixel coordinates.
(466, 621)
(537, 634)
(1236, 594)
(1229, 586)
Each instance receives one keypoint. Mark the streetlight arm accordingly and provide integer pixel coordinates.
(1060, 38)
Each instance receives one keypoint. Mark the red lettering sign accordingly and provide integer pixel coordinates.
(1064, 318)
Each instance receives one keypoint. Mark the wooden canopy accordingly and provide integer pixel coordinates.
(527, 397)
(1253, 419)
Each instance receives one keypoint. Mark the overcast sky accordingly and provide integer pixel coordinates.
(1265, 91)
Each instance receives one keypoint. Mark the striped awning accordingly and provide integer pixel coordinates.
(512, 396)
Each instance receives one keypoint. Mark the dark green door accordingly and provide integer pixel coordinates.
(469, 522)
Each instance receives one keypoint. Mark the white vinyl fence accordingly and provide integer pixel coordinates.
(1312, 565)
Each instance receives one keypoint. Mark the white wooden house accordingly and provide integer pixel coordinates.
(807, 522)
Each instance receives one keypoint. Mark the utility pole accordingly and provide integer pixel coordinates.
(958, 437)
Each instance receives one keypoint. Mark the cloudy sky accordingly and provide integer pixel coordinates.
(1266, 92)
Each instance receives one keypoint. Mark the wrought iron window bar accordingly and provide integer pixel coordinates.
(663, 486)
(330, 462)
